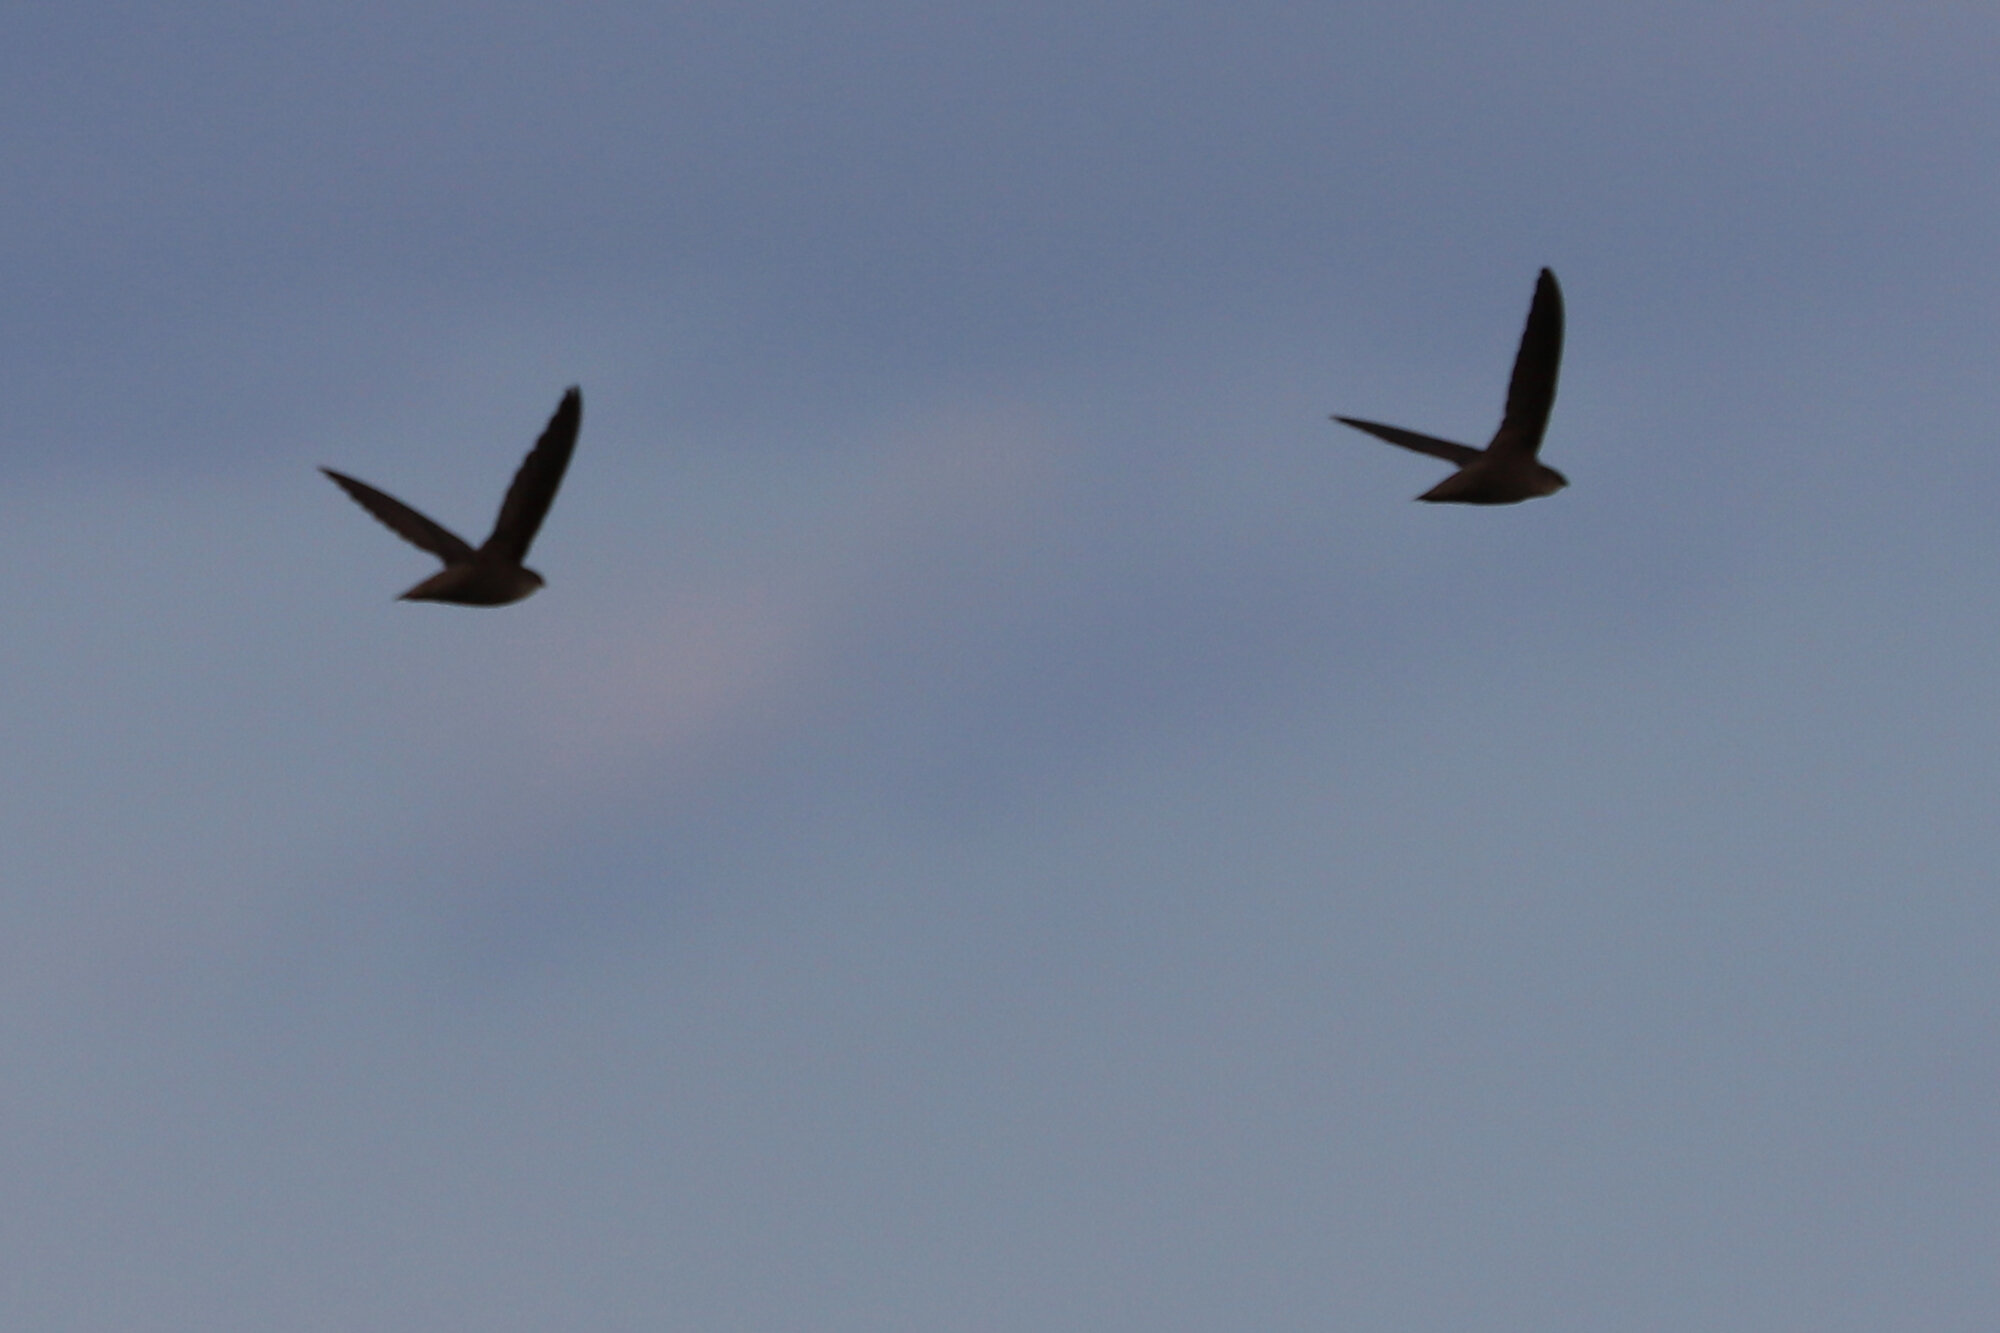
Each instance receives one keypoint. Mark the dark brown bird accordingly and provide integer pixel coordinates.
(493, 575)
(1506, 470)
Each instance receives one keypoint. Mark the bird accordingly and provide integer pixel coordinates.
(1506, 471)
(492, 575)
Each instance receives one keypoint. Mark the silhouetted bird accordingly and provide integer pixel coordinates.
(1506, 470)
(493, 575)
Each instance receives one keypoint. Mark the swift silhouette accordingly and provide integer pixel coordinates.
(492, 575)
(1506, 470)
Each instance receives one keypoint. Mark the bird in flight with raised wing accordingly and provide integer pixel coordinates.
(1506, 471)
(492, 575)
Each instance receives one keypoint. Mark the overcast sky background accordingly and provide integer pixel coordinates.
(1004, 817)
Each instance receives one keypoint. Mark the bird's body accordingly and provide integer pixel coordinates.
(477, 583)
(1506, 471)
(491, 574)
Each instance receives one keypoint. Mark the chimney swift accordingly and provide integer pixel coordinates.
(493, 575)
(1505, 471)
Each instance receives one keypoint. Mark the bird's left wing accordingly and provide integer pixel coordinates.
(1448, 450)
(404, 521)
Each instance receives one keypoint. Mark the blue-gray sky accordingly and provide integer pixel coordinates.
(1004, 817)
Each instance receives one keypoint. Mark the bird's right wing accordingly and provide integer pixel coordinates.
(1531, 392)
(404, 521)
(1460, 454)
(534, 487)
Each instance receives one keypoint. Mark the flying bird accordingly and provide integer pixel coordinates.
(1506, 470)
(492, 575)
